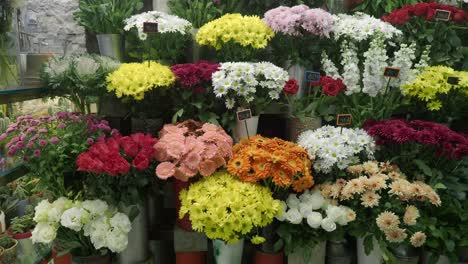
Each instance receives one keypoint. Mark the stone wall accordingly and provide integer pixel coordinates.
(51, 24)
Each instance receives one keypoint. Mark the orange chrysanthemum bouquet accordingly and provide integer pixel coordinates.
(276, 163)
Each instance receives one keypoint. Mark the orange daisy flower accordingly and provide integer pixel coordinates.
(238, 165)
(302, 184)
(262, 168)
(281, 177)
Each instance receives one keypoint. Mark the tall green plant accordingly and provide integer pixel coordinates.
(198, 12)
(106, 16)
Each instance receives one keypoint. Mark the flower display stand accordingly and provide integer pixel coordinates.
(190, 247)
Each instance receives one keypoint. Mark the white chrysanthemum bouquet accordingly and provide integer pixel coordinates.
(336, 148)
(166, 23)
(246, 84)
(75, 225)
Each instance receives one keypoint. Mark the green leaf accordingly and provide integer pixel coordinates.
(440, 186)
(423, 167)
(368, 244)
(198, 105)
(450, 245)
(176, 116)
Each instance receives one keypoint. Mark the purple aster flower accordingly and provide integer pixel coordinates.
(42, 142)
(54, 140)
(22, 137)
(14, 140)
(31, 129)
(37, 152)
(61, 125)
(42, 131)
(3, 136)
(90, 141)
(30, 144)
(34, 137)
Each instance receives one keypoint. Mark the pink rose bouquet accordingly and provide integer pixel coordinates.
(191, 148)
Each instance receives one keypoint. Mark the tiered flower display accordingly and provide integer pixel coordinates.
(191, 148)
(135, 79)
(334, 147)
(227, 209)
(271, 161)
(81, 226)
(243, 83)
(381, 196)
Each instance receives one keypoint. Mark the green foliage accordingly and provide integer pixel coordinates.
(198, 12)
(6, 242)
(106, 16)
(378, 8)
(8, 201)
(22, 224)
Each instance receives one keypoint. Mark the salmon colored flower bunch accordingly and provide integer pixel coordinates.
(191, 148)
(283, 163)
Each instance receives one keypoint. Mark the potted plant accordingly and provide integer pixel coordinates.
(105, 18)
(247, 85)
(90, 230)
(9, 245)
(240, 208)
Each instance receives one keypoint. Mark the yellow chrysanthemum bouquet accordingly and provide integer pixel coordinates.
(438, 86)
(236, 37)
(135, 79)
(227, 209)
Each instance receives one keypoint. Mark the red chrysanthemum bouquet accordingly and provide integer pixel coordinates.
(120, 166)
(423, 23)
(191, 93)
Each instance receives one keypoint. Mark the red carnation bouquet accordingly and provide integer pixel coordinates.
(118, 167)
(191, 94)
(422, 23)
(317, 101)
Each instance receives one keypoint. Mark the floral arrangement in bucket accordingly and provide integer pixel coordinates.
(239, 208)
(310, 219)
(235, 37)
(118, 167)
(133, 80)
(80, 78)
(276, 163)
(50, 145)
(369, 94)
(335, 148)
(244, 84)
(84, 228)
(297, 27)
(445, 36)
(193, 92)
(381, 196)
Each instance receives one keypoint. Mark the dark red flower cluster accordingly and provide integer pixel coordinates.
(330, 86)
(396, 131)
(425, 10)
(195, 75)
(291, 87)
(117, 154)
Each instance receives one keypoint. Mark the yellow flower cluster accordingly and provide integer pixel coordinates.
(432, 83)
(228, 209)
(244, 30)
(134, 79)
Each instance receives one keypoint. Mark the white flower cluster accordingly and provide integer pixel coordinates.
(244, 80)
(86, 66)
(375, 62)
(166, 23)
(57, 67)
(403, 59)
(360, 26)
(105, 227)
(350, 63)
(311, 206)
(329, 146)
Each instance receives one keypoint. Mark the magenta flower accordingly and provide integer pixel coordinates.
(61, 125)
(90, 141)
(42, 131)
(42, 142)
(37, 152)
(3, 136)
(54, 140)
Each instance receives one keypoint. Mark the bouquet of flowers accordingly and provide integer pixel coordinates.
(129, 160)
(330, 147)
(318, 102)
(381, 196)
(277, 163)
(170, 42)
(235, 37)
(298, 27)
(419, 24)
(50, 145)
(227, 209)
(193, 92)
(135, 79)
(309, 220)
(359, 27)
(85, 228)
(370, 94)
(191, 148)
(245, 84)
(79, 78)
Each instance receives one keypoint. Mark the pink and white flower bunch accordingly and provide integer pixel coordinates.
(299, 20)
(191, 148)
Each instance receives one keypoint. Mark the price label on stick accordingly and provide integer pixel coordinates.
(442, 15)
(312, 76)
(244, 114)
(453, 80)
(344, 120)
(150, 27)
(392, 72)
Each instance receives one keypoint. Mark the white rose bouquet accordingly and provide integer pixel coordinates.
(310, 219)
(246, 84)
(84, 228)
